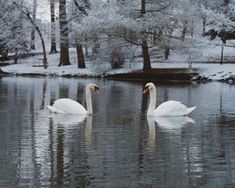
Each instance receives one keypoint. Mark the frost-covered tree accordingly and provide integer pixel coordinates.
(220, 19)
(137, 22)
(77, 13)
(26, 13)
(53, 27)
(14, 28)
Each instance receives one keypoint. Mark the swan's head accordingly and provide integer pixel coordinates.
(94, 88)
(148, 87)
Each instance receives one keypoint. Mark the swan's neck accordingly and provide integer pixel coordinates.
(88, 101)
(152, 103)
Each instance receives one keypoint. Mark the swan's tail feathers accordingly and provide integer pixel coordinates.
(189, 110)
(54, 110)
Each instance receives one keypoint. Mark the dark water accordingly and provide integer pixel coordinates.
(118, 146)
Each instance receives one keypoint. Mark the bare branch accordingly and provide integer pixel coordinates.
(125, 36)
(160, 9)
(24, 10)
(80, 8)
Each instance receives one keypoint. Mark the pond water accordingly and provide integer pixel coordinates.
(118, 146)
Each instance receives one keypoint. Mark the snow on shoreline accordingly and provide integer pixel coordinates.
(214, 72)
(217, 72)
(30, 66)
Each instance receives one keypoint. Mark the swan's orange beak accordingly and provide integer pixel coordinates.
(145, 90)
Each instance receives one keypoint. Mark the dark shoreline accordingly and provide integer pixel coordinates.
(158, 74)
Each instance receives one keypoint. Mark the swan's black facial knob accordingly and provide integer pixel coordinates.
(96, 89)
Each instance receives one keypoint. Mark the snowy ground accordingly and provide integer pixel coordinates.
(206, 53)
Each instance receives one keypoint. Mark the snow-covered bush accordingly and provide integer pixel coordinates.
(116, 58)
(15, 28)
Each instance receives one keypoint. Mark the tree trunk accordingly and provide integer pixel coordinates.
(191, 29)
(64, 43)
(96, 45)
(53, 37)
(143, 11)
(32, 43)
(184, 31)
(203, 26)
(204, 19)
(43, 47)
(16, 56)
(167, 52)
(146, 57)
(86, 47)
(222, 54)
(144, 45)
(80, 56)
(79, 47)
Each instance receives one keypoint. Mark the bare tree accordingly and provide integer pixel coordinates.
(25, 12)
(53, 36)
(32, 45)
(64, 43)
(138, 38)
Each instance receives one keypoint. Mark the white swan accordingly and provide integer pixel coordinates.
(68, 106)
(169, 108)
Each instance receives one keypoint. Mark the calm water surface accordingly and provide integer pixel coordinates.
(118, 146)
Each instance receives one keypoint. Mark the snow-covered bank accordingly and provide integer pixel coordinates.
(94, 68)
(214, 72)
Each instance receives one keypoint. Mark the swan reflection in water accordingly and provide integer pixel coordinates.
(168, 124)
(70, 122)
(171, 123)
(67, 129)
(67, 119)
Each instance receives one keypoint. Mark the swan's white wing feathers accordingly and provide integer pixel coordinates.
(172, 108)
(54, 110)
(69, 106)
